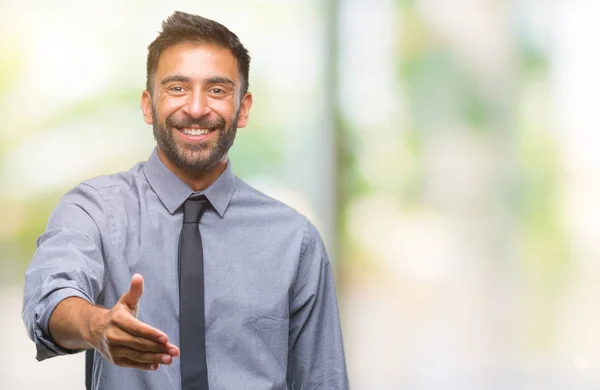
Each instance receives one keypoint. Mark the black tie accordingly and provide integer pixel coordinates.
(194, 373)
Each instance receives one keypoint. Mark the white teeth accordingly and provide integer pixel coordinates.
(195, 131)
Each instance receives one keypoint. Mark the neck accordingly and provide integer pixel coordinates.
(196, 180)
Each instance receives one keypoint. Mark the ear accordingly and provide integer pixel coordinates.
(245, 110)
(146, 106)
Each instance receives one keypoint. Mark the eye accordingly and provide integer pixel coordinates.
(217, 91)
(176, 88)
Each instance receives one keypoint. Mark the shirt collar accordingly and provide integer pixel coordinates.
(172, 192)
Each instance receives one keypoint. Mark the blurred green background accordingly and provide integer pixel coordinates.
(444, 148)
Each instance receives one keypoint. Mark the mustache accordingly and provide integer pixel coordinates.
(188, 121)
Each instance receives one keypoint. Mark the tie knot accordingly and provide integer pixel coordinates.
(193, 208)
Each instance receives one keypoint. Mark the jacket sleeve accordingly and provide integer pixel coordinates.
(315, 351)
(68, 262)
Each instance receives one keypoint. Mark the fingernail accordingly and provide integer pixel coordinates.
(173, 351)
(165, 359)
(154, 367)
(162, 339)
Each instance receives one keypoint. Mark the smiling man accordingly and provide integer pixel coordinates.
(177, 274)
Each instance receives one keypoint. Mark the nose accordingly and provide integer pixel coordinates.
(196, 105)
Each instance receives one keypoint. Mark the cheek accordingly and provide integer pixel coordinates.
(168, 107)
(225, 110)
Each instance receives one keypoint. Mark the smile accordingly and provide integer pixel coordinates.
(195, 131)
(195, 135)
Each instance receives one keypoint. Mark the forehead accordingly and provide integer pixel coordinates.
(197, 61)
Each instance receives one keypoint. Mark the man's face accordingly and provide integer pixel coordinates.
(195, 107)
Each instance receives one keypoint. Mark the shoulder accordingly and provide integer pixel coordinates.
(263, 205)
(114, 182)
(92, 197)
(282, 226)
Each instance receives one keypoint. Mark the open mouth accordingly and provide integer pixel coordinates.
(192, 134)
(196, 132)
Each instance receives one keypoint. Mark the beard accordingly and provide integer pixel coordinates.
(194, 157)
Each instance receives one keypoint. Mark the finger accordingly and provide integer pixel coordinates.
(133, 295)
(135, 327)
(173, 349)
(125, 362)
(141, 357)
(117, 337)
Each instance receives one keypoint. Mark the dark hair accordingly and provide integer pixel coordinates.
(182, 27)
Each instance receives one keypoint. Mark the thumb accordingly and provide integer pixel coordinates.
(136, 289)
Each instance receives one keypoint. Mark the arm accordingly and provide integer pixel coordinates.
(68, 262)
(64, 280)
(316, 353)
(69, 324)
(76, 324)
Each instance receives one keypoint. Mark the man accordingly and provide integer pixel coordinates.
(176, 274)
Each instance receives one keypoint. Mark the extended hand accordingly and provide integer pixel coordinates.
(126, 341)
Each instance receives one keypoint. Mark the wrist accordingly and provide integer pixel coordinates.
(93, 319)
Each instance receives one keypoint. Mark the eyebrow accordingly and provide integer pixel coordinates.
(186, 79)
(219, 80)
(175, 78)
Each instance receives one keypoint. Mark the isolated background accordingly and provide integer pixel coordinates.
(446, 149)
